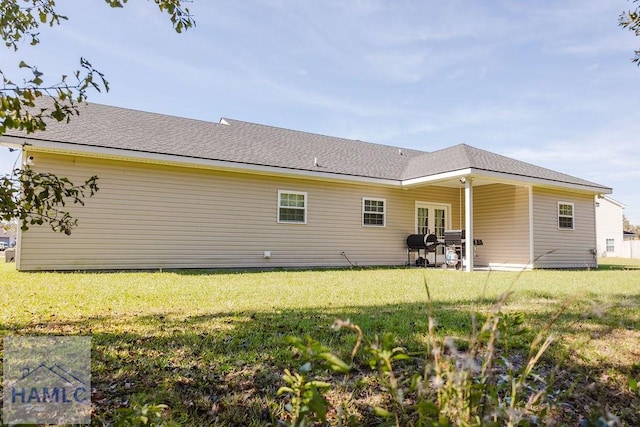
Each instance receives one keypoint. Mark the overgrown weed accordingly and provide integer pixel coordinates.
(477, 380)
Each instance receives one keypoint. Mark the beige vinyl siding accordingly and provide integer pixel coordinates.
(501, 220)
(554, 248)
(148, 216)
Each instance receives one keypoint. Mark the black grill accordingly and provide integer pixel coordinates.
(454, 240)
(421, 242)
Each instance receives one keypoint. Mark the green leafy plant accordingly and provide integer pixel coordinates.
(143, 414)
(461, 381)
(383, 353)
(307, 403)
(37, 198)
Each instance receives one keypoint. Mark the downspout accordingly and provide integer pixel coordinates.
(18, 246)
(531, 235)
(468, 223)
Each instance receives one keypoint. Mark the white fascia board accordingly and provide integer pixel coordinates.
(183, 161)
(504, 178)
(435, 178)
(540, 182)
(615, 202)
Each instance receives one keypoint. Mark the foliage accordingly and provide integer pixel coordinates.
(36, 198)
(627, 226)
(143, 414)
(469, 381)
(630, 20)
(28, 105)
(307, 401)
(307, 405)
(9, 226)
(20, 21)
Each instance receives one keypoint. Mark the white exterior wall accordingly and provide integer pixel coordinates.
(148, 216)
(609, 226)
(556, 248)
(630, 249)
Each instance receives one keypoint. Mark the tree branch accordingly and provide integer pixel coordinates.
(37, 198)
(631, 20)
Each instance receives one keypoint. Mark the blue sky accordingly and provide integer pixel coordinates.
(545, 82)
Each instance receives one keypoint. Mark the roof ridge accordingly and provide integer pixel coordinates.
(174, 116)
(466, 150)
(302, 132)
(427, 154)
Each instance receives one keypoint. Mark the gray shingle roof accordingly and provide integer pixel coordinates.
(464, 156)
(254, 144)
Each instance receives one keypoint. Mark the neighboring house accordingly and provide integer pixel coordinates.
(609, 228)
(7, 236)
(181, 193)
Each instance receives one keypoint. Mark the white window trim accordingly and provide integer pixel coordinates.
(606, 244)
(436, 205)
(573, 216)
(384, 211)
(306, 206)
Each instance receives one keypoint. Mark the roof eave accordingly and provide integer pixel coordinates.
(542, 182)
(504, 178)
(77, 149)
(615, 202)
(44, 146)
(434, 179)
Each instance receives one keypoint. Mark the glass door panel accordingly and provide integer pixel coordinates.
(422, 220)
(439, 226)
(432, 219)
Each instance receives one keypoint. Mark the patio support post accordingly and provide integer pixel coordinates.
(468, 223)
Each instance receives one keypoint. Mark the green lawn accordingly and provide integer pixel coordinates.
(211, 345)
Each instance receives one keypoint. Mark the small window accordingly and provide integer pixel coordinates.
(565, 216)
(373, 212)
(611, 245)
(292, 207)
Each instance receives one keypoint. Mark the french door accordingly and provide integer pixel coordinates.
(432, 218)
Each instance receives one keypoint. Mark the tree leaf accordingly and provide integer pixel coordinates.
(334, 362)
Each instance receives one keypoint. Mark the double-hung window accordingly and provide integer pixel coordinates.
(373, 212)
(611, 247)
(565, 216)
(292, 207)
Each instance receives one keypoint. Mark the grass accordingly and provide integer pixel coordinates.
(210, 345)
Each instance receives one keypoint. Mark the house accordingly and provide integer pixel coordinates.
(182, 193)
(7, 234)
(609, 229)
